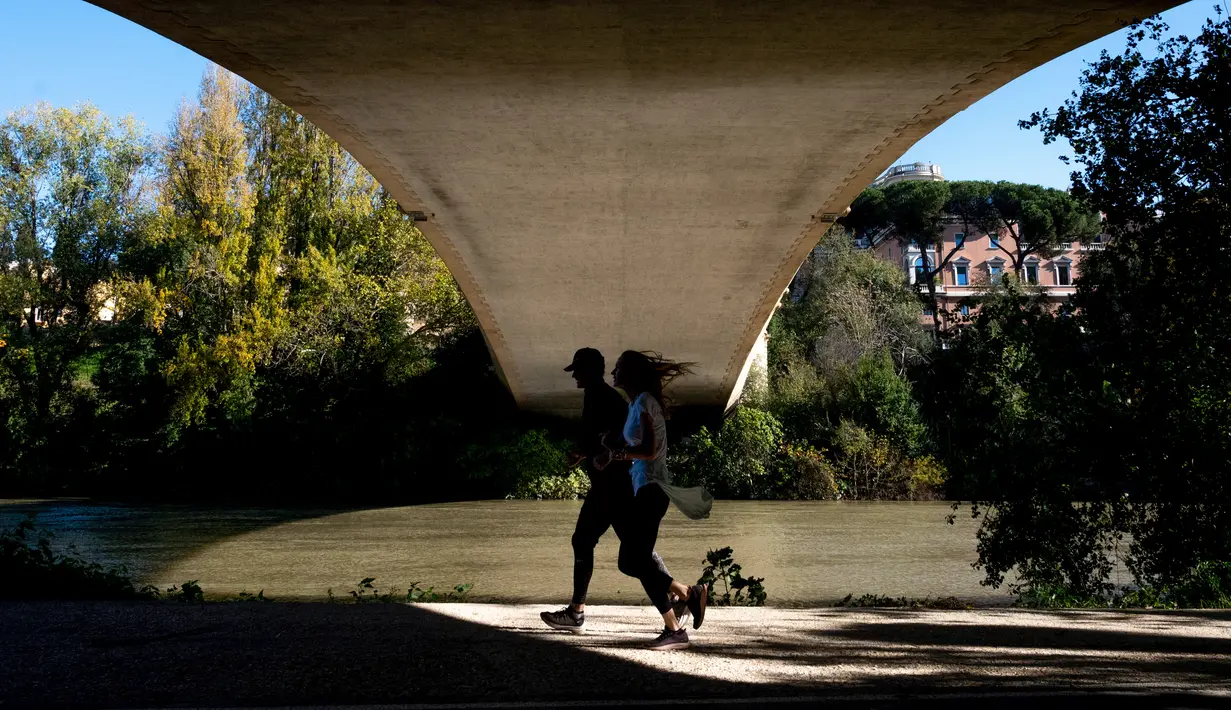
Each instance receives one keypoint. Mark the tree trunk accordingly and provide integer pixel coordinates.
(931, 277)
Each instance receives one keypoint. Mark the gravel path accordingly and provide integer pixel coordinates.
(64, 654)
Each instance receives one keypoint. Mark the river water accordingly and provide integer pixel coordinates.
(809, 553)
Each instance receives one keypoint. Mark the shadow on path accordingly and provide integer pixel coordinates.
(62, 654)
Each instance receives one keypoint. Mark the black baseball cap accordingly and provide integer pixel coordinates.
(586, 357)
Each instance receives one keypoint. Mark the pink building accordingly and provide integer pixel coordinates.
(977, 259)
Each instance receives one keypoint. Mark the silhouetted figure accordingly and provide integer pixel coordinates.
(642, 376)
(609, 502)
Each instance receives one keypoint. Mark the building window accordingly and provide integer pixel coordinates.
(963, 309)
(927, 310)
(1064, 276)
(920, 273)
(994, 271)
(959, 240)
(1032, 272)
(995, 241)
(960, 277)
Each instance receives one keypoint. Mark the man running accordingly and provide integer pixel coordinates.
(610, 498)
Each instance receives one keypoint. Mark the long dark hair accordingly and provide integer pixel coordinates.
(649, 371)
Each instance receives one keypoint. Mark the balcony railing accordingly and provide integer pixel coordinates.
(908, 171)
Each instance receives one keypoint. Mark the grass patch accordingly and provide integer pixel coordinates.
(882, 602)
(366, 591)
(1206, 586)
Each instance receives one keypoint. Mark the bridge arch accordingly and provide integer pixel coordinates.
(627, 174)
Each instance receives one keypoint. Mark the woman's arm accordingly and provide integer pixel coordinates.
(644, 449)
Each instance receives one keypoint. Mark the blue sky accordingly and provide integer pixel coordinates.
(67, 51)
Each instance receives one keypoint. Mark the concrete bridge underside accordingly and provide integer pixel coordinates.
(627, 174)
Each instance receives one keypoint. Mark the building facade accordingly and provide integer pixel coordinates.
(975, 260)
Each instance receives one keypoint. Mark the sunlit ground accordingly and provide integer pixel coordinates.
(841, 646)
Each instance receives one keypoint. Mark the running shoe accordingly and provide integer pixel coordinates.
(680, 607)
(697, 598)
(565, 619)
(670, 640)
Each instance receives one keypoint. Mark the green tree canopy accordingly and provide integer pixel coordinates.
(271, 305)
(1127, 428)
(73, 189)
(1037, 220)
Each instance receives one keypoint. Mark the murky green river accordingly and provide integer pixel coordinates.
(809, 553)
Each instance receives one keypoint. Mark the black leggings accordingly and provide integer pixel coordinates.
(637, 545)
(607, 505)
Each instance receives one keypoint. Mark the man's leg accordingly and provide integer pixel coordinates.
(592, 522)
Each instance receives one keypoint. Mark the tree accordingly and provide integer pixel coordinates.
(278, 304)
(1037, 220)
(1144, 439)
(968, 203)
(1024, 425)
(914, 211)
(73, 188)
(851, 305)
(218, 329)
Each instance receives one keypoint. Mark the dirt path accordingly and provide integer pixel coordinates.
(251, 654)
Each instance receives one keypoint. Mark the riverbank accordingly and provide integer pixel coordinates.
(99, 654)
(811, 554)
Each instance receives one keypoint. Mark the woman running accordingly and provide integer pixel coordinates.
(642, 376)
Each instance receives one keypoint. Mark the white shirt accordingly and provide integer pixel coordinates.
(645, 415)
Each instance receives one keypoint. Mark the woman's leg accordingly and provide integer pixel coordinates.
(637, 547)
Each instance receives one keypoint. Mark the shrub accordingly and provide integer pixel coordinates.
(868, 467)
(1206, 586)
(569, 486)
(1043, 595)
(32, 570)
(189, 591)
(805, 474)
(524, 465)
(720, 567)
(927, 478)
(876, 600)
(366, 591)
(740, 462)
